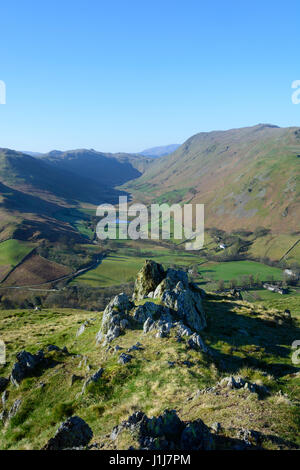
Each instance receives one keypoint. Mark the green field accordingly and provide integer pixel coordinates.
(236, 269)
(11, 253)
(122, 265)
(278, 301)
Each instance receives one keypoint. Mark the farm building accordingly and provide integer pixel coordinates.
(274, 288)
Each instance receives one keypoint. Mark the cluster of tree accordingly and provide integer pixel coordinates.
(245, 282)
(84, 297)
(75, 256)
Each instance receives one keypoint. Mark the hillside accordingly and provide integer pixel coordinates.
(38, 178)
(223, 365)
(246, 177)
(36, 193)
(105, 168)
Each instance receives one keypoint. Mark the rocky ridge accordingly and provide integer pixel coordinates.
(162, 300)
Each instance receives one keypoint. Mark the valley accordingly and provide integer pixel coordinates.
(235, 373)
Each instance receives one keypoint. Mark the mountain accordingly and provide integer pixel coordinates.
(37, 177)
(36, 192)
(161, 151)
(32, 154)
(104, 168)
(245, 177)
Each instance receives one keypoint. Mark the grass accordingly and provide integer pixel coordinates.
(13, 251)
(122, 265)
(262, 355)
(269, 299)
(235, 269)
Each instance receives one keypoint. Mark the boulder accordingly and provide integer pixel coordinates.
(168, 425)
(115, 318)
(26, 365)
(94, 378)
(148, 279)
(165, 432)
(74, 432)
(124, 358)
(149, 310)
(196, 342)
(14, 409)
(186, 302)
(53, 347)
(3, 383)
(173, 290)
(82, 328)
(4, 398)
(249, 437)
(196, 436)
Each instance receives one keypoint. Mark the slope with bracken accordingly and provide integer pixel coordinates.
(246, 177)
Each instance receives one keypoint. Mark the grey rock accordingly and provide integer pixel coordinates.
(168, 425)
(135, 347)
(216, 427)
(93, 379)
(74, 432)
(3, 383)
(166, 432)
(148, 325)
(4, 398)
(14, 409)
(115, 318)
(196, 436)
(25, 366)
(124, 358)
(149, 310)
(196, 342)
(3, 416)
(148, 279)
(53, 347)
(82, 328)
(187, 304)
(249, 437)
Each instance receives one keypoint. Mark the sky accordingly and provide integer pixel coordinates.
(128, 75)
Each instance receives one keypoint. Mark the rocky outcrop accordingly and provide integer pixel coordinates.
(26, 365)
(176, 303)
(234, 383)
(3, 383)
(93, 379)
(124, 358)
(148, 278)
(72, 433)
(115, 318)
(6, 416)
(166, 432)
(174, 292)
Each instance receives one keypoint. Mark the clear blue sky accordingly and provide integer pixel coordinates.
(127, 75)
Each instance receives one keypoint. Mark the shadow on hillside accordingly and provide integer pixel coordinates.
(265, 343)
(230, 443)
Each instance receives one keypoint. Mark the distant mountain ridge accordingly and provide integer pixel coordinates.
(161, 151)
